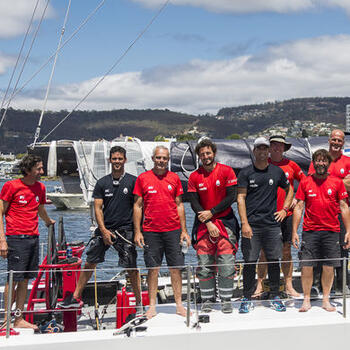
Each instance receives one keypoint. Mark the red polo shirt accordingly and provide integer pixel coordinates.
(321, 197)
(292, 172)
(211, 186)
(159, 193)
(24, 200)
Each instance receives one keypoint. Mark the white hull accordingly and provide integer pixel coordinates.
(70, 201)
(263, 328)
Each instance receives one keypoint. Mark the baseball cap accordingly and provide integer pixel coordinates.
(261, 141)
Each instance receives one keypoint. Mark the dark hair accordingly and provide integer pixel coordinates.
(206, 143)
(323, 153)
(116, 149)
(28, 162)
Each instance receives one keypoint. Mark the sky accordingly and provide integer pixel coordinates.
(196, 57)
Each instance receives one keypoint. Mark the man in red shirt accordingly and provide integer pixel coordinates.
(158, 194)
(340, 167)
(278, 146)
(212, 190)
(21, 201)
(323, 197)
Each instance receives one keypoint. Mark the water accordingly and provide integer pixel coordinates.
(77, 228)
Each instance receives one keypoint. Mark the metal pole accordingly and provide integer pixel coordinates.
(188, 311)
(344, 286)
(9, 304)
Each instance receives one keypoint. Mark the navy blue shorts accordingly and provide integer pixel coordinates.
(160, 243)
(127, 252)
(320, 245)
(23, 256)
(286, 228)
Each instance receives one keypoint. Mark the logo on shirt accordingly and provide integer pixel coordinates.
(22, 200)
(329, 191)
(201, 185)
(37, 199)
(252, 183)
(169, 187)
(270, 182)
(125, 190)
(217, 182)
(342, 171)
(150, 187)
(287, 174)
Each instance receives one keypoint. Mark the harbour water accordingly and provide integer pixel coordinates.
(77, 228)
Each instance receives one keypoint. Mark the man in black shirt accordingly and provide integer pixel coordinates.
(257, 205)
(113, 204)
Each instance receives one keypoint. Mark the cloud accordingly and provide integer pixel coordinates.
(252, 6)
(15, 16)
(6, 61)
(303, 68)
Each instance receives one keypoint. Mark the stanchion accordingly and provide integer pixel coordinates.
(344, 286)
(9, 304)
(188, 311)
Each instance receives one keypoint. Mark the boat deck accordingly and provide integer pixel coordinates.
(263, 327)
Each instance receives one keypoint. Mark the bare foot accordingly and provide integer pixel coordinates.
(180, 310)
(328, 306)
(258, 291)
(151, 312)
(305, 307)
(22, 323)
(293, 293)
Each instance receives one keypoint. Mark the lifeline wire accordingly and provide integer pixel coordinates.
(24, 62)
(110, 69)
(15, 92)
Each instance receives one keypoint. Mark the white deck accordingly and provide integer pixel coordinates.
(263, 328)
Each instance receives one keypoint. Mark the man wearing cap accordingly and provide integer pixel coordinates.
(323, 197)
(257, 207)
(339, 167)
(278, 145)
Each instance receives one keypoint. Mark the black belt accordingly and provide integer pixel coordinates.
(23, 236)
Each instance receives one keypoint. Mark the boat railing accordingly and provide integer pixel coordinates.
(50, 282)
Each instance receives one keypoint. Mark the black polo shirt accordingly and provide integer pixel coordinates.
(118, 200)
(261, 200)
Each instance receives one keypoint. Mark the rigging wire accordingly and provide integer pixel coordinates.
(111, 68)
(82, 24)
(25, 61)
(19, 55)
(37, 131)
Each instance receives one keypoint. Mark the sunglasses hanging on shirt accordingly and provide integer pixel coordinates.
(117, 182)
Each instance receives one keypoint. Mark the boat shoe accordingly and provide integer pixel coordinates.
(226, 307)
(277, 304)
(69, 302)
(246, 306)
(207, 306)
